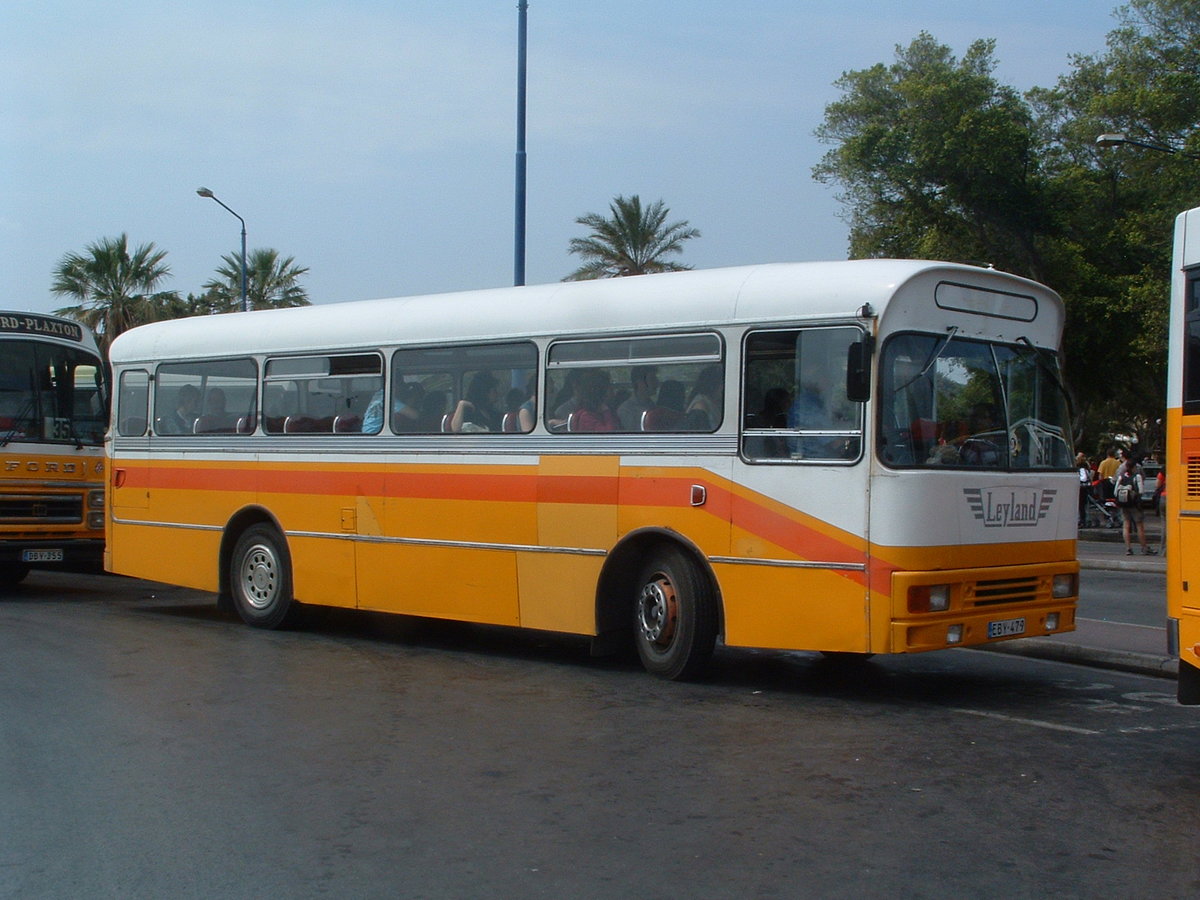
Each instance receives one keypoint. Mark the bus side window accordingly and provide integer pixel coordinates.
(796, 400)
(323, 394)
(469, 389)
(133, 406)
(206, 397)
(655, 383)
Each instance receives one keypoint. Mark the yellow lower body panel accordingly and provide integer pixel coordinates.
(792, 608)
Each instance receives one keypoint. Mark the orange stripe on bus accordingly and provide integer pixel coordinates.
(785, 529)
(525, 488)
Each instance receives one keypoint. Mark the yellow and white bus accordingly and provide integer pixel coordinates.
(53, 411)
(1182, 515)
(850, 457)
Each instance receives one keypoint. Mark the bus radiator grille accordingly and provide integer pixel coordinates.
(43, 509)
(1011, 590)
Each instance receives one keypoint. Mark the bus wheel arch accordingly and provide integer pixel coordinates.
(256, 570)
(658, 593)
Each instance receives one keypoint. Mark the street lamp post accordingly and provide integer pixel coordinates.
(205, 192)
(1116, 138)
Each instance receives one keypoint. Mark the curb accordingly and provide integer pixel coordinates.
(1097, 657)
(1123, 565)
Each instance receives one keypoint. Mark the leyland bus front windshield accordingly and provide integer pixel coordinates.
(50, 393)
(946, 401)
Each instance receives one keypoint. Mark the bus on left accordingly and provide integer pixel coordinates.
(53, 412)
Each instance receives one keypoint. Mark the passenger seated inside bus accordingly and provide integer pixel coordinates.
(667, 414)
(772, 414)
(527, 412)
(406, 410)
(477, 411)
(182, 418)
(703, 412)
(643, 382)
(433, 410)
(595, 413)
(215, 419)
(510, 421)
(566, 401)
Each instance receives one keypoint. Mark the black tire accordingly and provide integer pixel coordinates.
(674, 616)
(12, 575)
(260, 578)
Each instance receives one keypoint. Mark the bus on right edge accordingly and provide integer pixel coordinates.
(1182, 522)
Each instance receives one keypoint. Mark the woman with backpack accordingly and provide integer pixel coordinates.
(1128, 493)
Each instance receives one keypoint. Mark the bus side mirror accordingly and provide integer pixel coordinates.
(858, 370)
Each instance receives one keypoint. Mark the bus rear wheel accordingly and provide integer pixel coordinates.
(260, 578)
(12, 575)
(674, 616)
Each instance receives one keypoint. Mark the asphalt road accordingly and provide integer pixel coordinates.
(152, 747)
(1133, 598)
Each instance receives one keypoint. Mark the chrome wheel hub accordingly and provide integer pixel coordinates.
(658, 611)
(260, 576)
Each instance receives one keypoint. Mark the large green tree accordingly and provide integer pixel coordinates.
(631, 240)
(114, 288)
(272, 282)
(936, 159)
(1115, 206)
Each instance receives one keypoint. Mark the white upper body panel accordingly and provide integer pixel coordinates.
(785, 292)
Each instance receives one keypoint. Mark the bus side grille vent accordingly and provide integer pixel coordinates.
(1193, 478)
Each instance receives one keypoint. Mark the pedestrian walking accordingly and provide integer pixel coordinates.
(1128, 493)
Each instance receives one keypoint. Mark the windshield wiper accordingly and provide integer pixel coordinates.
(16, 422)
(933, 357)
(1045, 358)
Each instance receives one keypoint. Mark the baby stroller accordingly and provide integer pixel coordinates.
(1101, 511)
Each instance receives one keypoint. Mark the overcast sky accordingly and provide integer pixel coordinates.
(374, 140)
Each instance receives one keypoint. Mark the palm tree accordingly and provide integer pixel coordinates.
(115, 289)
(272, 282)
(632, 241)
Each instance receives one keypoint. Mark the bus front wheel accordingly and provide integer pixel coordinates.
(260, 577)
(675, 616)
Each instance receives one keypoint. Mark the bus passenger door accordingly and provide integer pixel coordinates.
(797, 575)
(797, 570)
(129, 488)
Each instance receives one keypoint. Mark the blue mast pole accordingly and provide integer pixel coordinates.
(519, 229)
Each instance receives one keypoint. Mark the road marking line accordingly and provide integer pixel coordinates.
(1156, 729)
(1037, 723)
(1122, 624)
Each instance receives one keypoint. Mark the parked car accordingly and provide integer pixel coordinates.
(1150, 470)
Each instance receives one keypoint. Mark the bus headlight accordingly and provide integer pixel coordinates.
(1064, 586)
(95, 520)
(928, 598)
(954, 634)
(1052, 622)
(96, 499)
